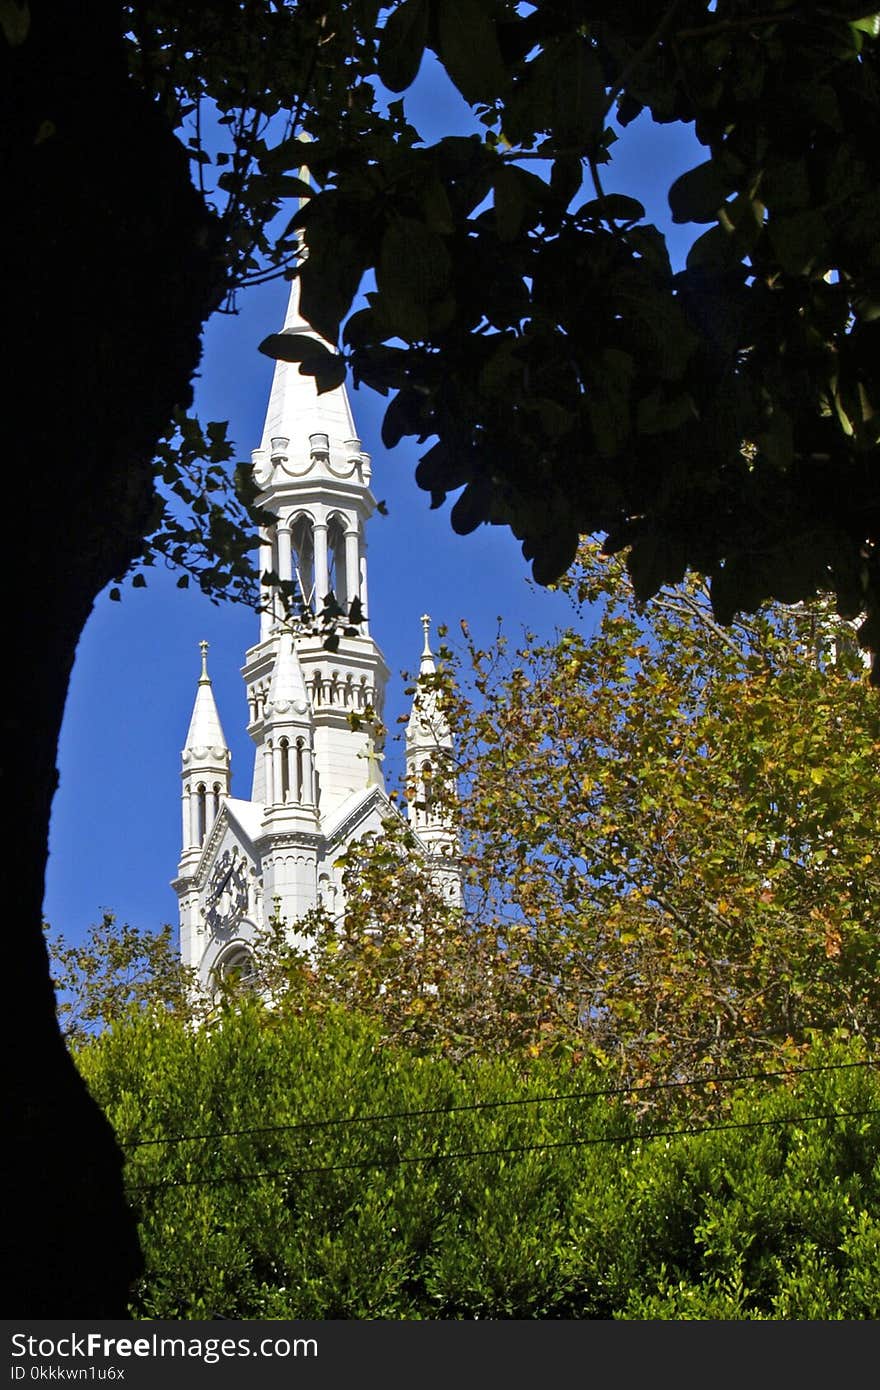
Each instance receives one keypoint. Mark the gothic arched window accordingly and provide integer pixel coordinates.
(337, 579)
(300, 770)
(285, 770)
(302, 542)
(428, 789)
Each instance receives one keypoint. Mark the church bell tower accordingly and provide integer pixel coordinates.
(314, 713)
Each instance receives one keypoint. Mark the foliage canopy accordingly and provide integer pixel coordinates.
(294, 1168)
(723, 418)
(649, 1033)
(118, 970)
(668, 844)
(525, 318)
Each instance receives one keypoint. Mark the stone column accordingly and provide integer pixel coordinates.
(363, 589)
(277, 778)
(352, 565)
(268, 771)
(285, 565)
(322, 579)
(308, 795)
(267, 591)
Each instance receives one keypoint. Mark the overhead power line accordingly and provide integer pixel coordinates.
(600, 1093)
(404, 1160)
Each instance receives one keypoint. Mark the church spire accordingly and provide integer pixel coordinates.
(205, 730)
(296, 413)
(426, 666)
(315, 476)
(428, 751)
(205, 768)
(288, 741)
(287, 697)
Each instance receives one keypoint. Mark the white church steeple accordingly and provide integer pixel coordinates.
(315, 707)
(316, 478)
(205, 767)
(428, 755)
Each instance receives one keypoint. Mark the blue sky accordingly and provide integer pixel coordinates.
(115, 836)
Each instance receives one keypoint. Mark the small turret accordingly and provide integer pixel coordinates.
(288, 744)
(428, 754)
(205, 769)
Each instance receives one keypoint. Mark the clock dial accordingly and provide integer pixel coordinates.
(227, 897)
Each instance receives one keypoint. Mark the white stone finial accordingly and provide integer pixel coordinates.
(205, 729)
(427, 663)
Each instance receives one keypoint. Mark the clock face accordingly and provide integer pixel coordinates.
(227, 897)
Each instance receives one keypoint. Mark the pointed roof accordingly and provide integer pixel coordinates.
(205, 730)
(426, 666)
(287, 689)
(295, 409)
(427, 725)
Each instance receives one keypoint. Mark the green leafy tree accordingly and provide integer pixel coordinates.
(118, 969)
(526, 317)
(668, 838)
(667, 844)
(405, 955)
(294, 1167)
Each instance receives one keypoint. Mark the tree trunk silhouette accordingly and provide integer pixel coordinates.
(108, 277)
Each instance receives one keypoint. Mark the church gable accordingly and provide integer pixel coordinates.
(361, 814)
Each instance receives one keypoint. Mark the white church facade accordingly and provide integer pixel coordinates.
(317, 780)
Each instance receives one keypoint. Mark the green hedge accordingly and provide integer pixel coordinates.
(504, 1209)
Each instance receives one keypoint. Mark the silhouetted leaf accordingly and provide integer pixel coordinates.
(614, 205)
(697, 195)
(653, 561)
(329, 372)
(467, 46)
(292, 345)
(554, 555)
(472, 507)
(402, 44)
